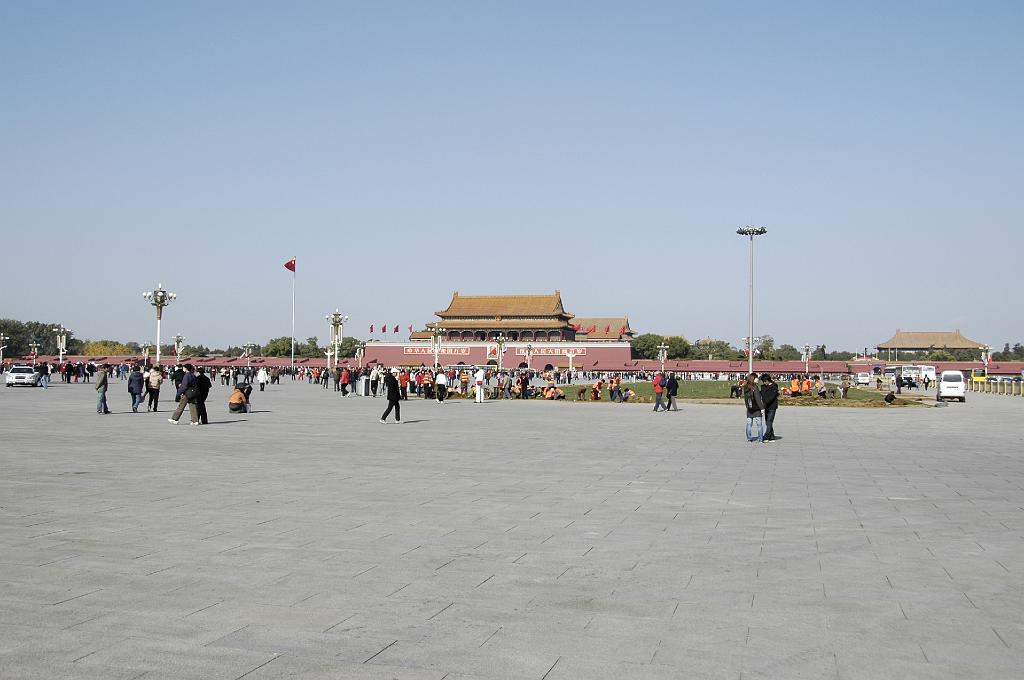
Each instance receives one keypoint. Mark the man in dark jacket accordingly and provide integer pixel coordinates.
(755, 406)
(203, 386)
(770, 397)
(136, 385)
(101, 391)
(672, 390)
(393, 392)
(186, 397)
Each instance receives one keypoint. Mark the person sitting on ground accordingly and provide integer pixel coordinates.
(595, 391)
(238, 402)
(794, 387)
(627, 395)
(736, 389)
(890, 398)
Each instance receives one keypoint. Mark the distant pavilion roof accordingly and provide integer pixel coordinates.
(505, 305)
(921, 340)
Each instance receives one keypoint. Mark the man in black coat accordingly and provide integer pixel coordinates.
(672, 391)
(136, 386)
(393, 392)
(204, 385)
(770, 397)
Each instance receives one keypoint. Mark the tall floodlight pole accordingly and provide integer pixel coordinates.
(662, 355)
(159, 298)
(3, 339)
(34, 346)
(750, 231)
(62, 341)
(436, 333)
(337, 323)
(179, 342)
(500, 342)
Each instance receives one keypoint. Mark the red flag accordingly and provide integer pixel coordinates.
(371, 327)
(410, 329)
(384, 328)
(608, 328)
(577, 327)
(622, 331)
(396, 328)
(591, 329)
(290, 265)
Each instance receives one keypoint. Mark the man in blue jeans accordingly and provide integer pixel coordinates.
(101, 390)
(755, 406)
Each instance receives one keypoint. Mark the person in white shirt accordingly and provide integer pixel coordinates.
(441, 386)
(478, 379)
(262, 377)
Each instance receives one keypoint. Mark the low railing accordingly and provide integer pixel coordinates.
(1005, 387)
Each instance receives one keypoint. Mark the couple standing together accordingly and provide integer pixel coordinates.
(762, 401)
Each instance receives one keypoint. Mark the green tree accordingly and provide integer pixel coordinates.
(278, 347)
(646, 346)
(716, 349)
(788, 353)
(941, 355)
(348, 347)
(678, 347)
(766, 347)
(105, 348)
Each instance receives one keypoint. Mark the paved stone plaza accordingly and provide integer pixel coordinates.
(507, 540)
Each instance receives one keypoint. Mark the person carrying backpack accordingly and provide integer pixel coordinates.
(755, 407)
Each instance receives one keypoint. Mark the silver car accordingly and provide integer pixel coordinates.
(23, 375)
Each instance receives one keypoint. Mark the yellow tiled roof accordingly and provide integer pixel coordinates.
(614, 323)
(929, 339)
(504, 305)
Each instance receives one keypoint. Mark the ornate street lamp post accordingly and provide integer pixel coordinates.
(159, 298)
(662, 355)
(34, 346)
(572, 354)
(329, 352)
(248, 348)
(337, 322)
(436, 333)
(145, 352)
(179, 342)
(360, 353)
(500, 343)
(529, 357)
(3, 339)
(62, 341)
(750, 232)
(807, 358)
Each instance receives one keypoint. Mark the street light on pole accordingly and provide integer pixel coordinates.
(435, 336)
(662, 355)
(529, 357)
(3, 339)
(750, 231)
(179, 342)
(34, 346)
(360, 353)
(572, 354)
(248, 348)
(62, 341)
(500, 342)
(145, 352)
(159, 298)
(337, 323)
(807, 358)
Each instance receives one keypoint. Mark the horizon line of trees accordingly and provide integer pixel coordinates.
(645, 346)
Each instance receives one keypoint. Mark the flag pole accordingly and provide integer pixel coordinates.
(293, 319)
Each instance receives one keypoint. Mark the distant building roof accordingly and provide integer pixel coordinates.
(494, 306)
(921, 340)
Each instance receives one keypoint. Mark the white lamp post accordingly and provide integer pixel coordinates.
(337, 323)
(360, 352)
(572, 354)
(662, 355)
(62, 341)
(145, 352)
(500, 343)
(179, 342)
(529, 357)
(3, 339)
(436, 333)
(159, 298)
(750, 232)
(807, 358)
(248, 348)
(34, 346)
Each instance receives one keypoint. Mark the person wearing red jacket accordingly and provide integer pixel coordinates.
(659, 391)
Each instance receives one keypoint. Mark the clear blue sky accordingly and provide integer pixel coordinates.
(618, 145)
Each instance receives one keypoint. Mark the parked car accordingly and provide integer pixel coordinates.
(863, 378)
(951, 385)
(23, 375)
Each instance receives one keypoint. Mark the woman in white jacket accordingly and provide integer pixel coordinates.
(262, 377)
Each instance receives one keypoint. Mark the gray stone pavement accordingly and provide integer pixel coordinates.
(507, 540)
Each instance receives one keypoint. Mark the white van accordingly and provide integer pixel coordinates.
(863, 378)
(951, 385)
